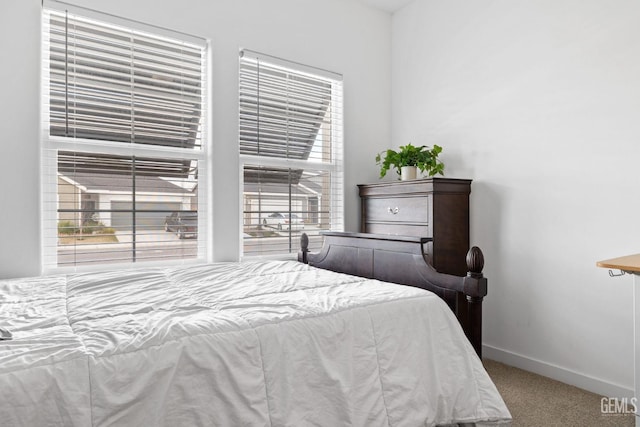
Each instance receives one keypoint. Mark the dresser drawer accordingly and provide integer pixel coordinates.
(398, 229)
(397, 209)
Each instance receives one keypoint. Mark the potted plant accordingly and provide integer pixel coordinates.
(409, 158)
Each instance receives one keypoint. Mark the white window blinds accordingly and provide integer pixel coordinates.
(290, 141)
(123, 143)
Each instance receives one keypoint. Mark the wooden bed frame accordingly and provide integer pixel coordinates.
(401, 259)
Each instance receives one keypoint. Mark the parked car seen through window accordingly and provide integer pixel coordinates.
(284, 220)
(185, 224)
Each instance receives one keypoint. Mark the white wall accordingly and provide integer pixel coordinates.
(19, 138)
(539, 103)
(339, 36)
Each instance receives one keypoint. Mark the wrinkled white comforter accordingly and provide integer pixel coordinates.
(235, 344)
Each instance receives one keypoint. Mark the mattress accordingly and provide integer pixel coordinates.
(275, 343)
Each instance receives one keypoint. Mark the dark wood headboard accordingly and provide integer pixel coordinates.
(401, 259)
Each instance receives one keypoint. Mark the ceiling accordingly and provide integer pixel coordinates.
(386, 5)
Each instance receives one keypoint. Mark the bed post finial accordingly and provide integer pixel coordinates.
(475, 262)
(304, 248)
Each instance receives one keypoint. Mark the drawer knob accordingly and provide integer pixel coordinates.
(393, 210)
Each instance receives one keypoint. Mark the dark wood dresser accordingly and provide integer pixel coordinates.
(433, 207)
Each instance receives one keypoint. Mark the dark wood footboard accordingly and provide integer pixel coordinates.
(400, 259)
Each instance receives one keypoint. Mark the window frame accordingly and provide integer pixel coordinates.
(51, 145)
(335, 167)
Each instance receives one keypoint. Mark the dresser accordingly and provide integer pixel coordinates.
(433, 207)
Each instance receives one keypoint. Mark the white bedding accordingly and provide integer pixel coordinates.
(235, 344)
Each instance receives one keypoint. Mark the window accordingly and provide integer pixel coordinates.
(290, 154)
(123, 141)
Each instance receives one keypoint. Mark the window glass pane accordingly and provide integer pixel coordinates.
(115, 84)
(279, 204)
(125, 213)
(285, 114)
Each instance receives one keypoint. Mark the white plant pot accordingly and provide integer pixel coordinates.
(408, 172)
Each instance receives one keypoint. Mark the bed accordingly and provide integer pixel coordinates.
(271, 343)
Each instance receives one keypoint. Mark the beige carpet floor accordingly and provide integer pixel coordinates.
(537, 401)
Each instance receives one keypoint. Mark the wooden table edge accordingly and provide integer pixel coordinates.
(629, 263)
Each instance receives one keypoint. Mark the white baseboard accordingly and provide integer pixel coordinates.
(557, 373)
